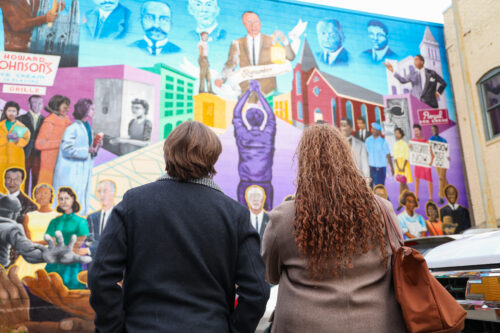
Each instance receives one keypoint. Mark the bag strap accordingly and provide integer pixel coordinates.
(388, 225)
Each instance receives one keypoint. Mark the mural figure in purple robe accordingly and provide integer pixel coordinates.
(255, 132)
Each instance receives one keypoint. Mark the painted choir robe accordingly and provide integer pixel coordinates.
(74, 164)
(11, 153)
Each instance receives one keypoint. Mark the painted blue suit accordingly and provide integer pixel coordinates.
(114, 27)
(74, 164)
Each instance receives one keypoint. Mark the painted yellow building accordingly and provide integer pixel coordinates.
(282, 107)
(473, 47)
(213, 111)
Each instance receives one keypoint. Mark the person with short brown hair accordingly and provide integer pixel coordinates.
(184, 246)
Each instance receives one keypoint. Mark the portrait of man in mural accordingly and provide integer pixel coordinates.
(255, 133)
(205, 13)
(204, 64)
(109, 19)
(33, 120)
(381, 191)
(106, 193)
(255, 197)
(14, 178)
(139, 129)
(379, 155)
(20, 18)
(252, 50)
(443, 181)
(156, 21)
(459, 214)
(379, 36)
(426, 84)
(357, 147)
(363, 133)
(12, 235)
(331, 40)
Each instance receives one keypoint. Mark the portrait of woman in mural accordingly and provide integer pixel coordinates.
(76, 153)
(139, 129)
(434, 224)
(422, 172)
(50, 136)
(68, 224)
(14, 136)
(401, 154)
(412, 224)
(35, 224)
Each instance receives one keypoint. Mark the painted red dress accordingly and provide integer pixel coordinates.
(424, 173)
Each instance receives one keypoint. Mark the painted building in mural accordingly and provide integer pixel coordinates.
(176, 101)
(98, 92)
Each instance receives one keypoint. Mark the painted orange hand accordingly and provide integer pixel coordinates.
(51, 288)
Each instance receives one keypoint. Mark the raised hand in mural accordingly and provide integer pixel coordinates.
(61, 253)
(14, 301)
(51, 289)
(57, 7)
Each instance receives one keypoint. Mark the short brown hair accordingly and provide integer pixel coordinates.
(191, 151)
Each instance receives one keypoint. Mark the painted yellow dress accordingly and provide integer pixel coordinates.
(400, 154)
(12, 153)
(37, 225)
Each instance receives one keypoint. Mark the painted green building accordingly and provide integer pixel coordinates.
(176, 101)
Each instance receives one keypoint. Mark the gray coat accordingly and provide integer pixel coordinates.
(360, 299)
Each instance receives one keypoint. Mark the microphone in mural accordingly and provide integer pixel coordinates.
(255, 132)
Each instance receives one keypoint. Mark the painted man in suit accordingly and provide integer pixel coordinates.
(156, 22)
(255, 197)
(13, 180)
(426, 84)
(106, 192)
(109, 19)
(362, 134)
(205, 13)
(331, 40)
(357, 147)
(252, 50)
(379, 36)
(19, 20)
(459, 214)
(33, 121)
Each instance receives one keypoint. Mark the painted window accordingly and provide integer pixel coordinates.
(489, 92)
(166, 130)
(298, 83)
(378, 116)
(349, 111)
(364, 114)
(316, 79)
(316, 91)
(318, 115)
(334, 111)
(300, 113)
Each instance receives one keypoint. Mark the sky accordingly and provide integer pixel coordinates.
(422, 10)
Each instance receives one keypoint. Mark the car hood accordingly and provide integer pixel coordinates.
(471, 250)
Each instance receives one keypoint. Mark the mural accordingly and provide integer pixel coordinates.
(90, 89)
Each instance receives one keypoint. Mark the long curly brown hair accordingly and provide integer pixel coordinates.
(336, 215)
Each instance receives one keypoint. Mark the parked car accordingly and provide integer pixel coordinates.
(469, 268)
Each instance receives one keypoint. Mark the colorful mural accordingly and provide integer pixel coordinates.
(90, 89)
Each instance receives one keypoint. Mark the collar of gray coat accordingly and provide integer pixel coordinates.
(208, 182)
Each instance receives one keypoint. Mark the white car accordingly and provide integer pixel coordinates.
(467, 265)
(469, 268)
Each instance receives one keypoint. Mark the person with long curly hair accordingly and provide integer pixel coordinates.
(328, 249)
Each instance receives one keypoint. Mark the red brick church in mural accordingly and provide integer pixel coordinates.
(320, 96)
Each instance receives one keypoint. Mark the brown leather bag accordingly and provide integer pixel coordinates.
(426, 305)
